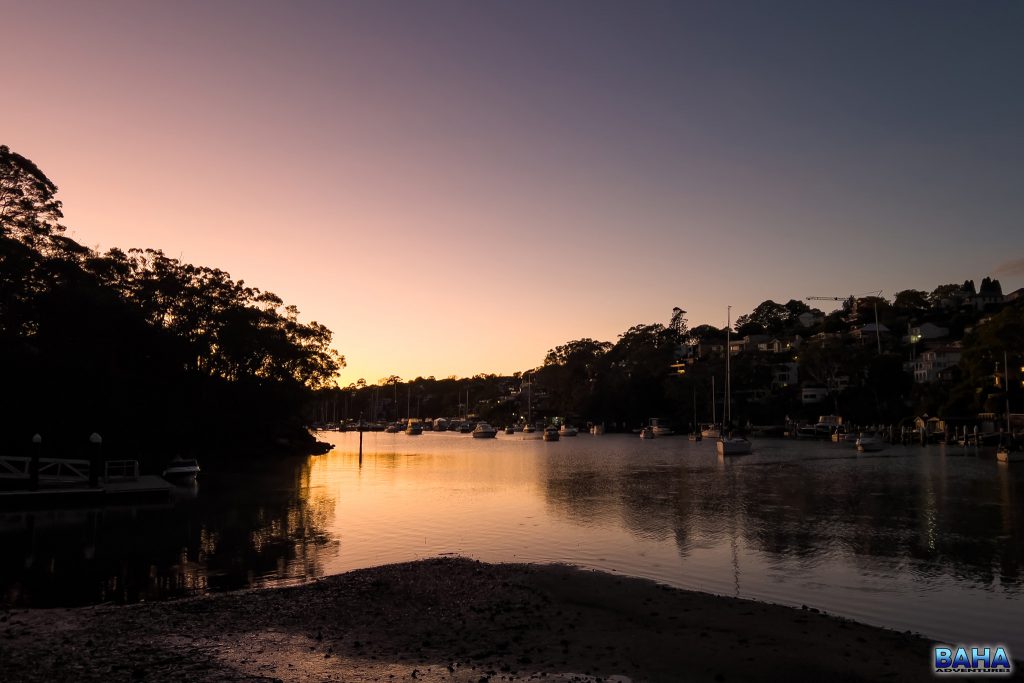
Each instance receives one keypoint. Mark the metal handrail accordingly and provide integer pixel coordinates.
(121, 469)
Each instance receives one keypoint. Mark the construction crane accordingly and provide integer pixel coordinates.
(877, 294)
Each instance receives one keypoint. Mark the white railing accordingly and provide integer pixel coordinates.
(63, 470)
(14, 467)
(121, 469)
(50, 469)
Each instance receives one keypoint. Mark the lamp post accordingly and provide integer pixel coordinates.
(33, 465)
(96, 442)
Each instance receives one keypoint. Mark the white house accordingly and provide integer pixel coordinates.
(785, 375)
(933, 361)
(813, 394)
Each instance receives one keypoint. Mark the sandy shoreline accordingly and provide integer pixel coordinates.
(454, 620)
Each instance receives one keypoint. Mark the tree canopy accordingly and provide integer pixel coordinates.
(117, 340)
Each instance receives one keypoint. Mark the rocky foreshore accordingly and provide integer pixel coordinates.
(454, 620)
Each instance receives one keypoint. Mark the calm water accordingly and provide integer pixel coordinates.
(912, 538)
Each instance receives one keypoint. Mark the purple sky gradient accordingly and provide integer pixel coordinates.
(455, 188)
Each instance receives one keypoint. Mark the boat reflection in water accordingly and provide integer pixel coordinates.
(911, 538)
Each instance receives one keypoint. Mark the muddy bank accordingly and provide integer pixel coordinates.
(454, 620)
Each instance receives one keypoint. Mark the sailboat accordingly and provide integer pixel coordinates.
(730, 445)
(712, 430)
(1003, 453)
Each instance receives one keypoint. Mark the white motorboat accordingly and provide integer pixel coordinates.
(568, 430)
(413, 428)
(647, 433)
(484, 431)
(551, 433)
(181, 469)
(529, 428)
(710, 432)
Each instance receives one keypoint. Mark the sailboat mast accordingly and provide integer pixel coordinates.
(728, 376)
(529, 401)
(1006, 390)
(714, 418)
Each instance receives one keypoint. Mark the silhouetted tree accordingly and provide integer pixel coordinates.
(132, 343)
(29, 212)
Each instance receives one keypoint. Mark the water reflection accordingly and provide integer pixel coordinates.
(964, 522)
(913, 538)
(237, 530)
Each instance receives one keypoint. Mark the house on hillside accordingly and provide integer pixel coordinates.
(1013, 296)
(930, 365)
(785, 375)
(813, 393)
(926, 332)
(989, 293)
(868, 331)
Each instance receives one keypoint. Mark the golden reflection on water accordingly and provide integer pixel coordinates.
(915, 538)
(878, 539)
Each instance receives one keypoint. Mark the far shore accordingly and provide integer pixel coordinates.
(452, 619)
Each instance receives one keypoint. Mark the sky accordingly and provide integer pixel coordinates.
(457, 187)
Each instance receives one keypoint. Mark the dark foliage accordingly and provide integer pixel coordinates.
(156, 355)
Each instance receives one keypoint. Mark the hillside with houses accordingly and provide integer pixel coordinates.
(873, 360)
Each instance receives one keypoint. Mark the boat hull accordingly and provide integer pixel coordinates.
(733, 447)
(1008, 456)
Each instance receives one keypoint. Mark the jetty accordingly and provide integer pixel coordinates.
(65, 482)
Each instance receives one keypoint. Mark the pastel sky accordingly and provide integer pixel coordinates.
(456, 187)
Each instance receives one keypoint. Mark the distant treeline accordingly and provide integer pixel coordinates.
(675, 372)
(157, 356)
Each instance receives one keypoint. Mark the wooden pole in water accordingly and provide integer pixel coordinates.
(360, 438)
(95, 460)
(33, 466)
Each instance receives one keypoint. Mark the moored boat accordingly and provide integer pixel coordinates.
(510, 430)
(660, 427)
(869, 444)
(182, 469)
(568, 430)
(711, 431)
(647, 433)
(484, 431)
(551, 433)
(1004, 454)
(733, 445)
(413, 428)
